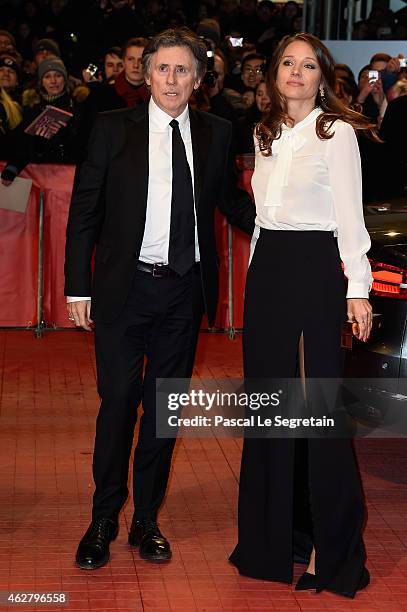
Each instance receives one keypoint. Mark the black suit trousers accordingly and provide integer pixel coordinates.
(155, 336)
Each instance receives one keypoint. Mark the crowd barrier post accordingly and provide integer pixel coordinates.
(41, 325)
(231, 318)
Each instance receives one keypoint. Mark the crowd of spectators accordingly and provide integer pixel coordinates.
(85, 58)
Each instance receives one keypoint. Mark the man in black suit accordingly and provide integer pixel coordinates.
(146, 198)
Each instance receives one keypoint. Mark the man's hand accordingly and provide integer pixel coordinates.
(360, 315)
(78, 312)
(394, 63)
(372, 87)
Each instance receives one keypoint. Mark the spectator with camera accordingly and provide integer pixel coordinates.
(213, 89)
(376, 80)
(371, 96)
(126, 89)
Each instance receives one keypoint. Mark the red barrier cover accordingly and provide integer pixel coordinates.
(19, 254)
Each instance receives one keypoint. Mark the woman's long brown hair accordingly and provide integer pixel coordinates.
(269, 128)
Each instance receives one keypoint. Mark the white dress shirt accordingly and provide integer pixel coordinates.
(156, 238)
(313, 184)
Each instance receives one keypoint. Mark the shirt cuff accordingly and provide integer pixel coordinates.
(357, 290)
(73, 298)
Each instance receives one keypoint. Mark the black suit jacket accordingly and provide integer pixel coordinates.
(108, 207)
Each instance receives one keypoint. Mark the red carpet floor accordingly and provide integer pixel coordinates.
(48, 405)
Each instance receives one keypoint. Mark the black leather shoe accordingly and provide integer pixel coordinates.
(306, 582)
(93, 549)
(153, 545)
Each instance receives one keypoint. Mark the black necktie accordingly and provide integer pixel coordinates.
(181, 254)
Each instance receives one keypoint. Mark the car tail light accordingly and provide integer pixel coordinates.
(388, 281)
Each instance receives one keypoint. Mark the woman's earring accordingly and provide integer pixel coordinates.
(322, 94)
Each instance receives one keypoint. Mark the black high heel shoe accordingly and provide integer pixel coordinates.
(306, 582)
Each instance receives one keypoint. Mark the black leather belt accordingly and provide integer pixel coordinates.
(157, 270)
(160, 270)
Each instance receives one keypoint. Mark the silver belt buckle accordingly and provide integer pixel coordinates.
(156, 270)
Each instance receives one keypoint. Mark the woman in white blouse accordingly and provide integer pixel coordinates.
(300, 500)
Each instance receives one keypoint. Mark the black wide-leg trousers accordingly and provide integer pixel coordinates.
(296, 494)
(154, 337)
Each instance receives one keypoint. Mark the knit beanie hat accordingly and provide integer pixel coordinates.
(47, 44)
(9, 62)
(52, 63)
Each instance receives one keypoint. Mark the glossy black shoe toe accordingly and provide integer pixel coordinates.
(153, 545)
(306, 582)
(93, 550)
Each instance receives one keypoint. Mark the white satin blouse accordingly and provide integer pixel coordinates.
(313, 184)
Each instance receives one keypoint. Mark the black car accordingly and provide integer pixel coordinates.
(382, 361)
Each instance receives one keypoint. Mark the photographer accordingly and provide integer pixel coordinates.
(212, 87)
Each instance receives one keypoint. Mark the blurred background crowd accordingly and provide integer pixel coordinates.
(85, 57)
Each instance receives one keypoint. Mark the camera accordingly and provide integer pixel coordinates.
(211, 75)
(236, 42)
(373, 76)
(92, 69)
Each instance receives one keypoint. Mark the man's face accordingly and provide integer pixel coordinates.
(8, 78)
(41, 55)
(379, 65)
(364, 78)
(133, 68)
(251, 73)
(172, 79)
(113, 66)
(5, 43)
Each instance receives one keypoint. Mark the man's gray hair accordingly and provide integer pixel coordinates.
(177, 37)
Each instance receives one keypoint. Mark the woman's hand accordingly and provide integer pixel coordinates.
(377, 92)
(360, 315)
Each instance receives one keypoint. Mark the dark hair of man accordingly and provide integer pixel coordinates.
(269, 128)
(117, 51)
(380, 57)
(134, 42)
(177, 37)
(250, 57)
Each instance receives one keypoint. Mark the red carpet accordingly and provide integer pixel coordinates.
(48, 404)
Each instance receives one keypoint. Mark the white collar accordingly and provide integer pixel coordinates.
(291, 140)
(304, 122)
(160, 120)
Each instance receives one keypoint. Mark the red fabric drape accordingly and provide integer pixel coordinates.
(18, 263)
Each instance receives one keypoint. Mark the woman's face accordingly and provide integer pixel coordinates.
(53, 82)
(8, 78)
(299, 74)
(262, 97)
